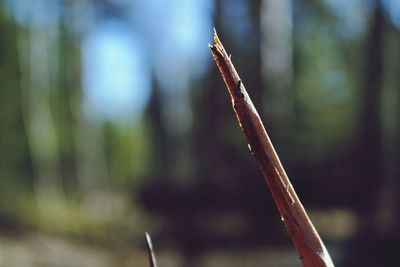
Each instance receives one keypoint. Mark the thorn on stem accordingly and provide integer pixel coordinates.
(238, 90)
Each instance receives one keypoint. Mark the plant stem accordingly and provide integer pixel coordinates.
(152, 256)
(309, 245)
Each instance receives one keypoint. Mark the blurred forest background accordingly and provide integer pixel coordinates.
(114, 121)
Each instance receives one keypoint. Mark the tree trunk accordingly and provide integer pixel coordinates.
(370, 150)
(36, 48)
(277, 58)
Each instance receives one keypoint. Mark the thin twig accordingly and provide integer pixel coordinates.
(152, 256)
(310, 248)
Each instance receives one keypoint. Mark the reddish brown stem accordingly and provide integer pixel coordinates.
(309, 245)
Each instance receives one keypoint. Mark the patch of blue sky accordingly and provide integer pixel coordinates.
(116, 78)
(172, 36)
(38, 13)
(393, 9)
(238, 13)
(179, 32)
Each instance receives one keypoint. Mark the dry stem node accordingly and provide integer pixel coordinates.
(310, 247)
